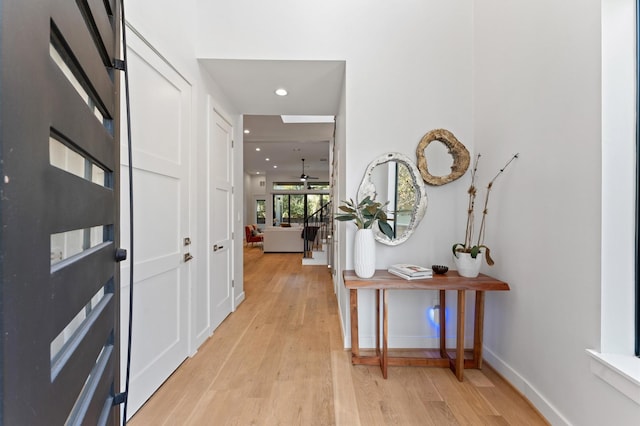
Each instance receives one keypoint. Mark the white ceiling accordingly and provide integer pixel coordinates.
(286, 145)
(314, 89)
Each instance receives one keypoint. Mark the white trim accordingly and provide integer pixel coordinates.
(222, 114)
(620, 371)
(238, 300)
(543, 405)
(346, 332)
(613, 362)
(142, 38)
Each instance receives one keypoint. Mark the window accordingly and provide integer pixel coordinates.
(288, 186)
(300, 186)
(637, 289)
(324, 186)
(315, 202)
(288, 208)
(616, 360)
(292, 208)
(260, 212)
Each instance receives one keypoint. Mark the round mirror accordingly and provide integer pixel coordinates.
(395, 178)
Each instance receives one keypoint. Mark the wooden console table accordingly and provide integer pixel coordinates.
(384, 281)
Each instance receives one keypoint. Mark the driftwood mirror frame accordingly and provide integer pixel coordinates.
(461, 157)
(367, 188)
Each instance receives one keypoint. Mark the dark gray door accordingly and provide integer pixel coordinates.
(59, 210)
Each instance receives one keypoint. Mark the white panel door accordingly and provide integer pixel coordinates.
(220, 218)
(160, 116)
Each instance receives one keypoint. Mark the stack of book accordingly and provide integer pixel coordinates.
(410, 272)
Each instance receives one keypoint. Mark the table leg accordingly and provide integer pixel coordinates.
(385, 332)
(443, 325)
(355, 346)
(478, 329)
(460, 336)
(377, 328)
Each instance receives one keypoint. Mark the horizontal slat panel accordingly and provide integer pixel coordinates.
(112, 5)
(101, 393)
(66, 387)
(74, 203)
(103, 24)
(108, 413)
(74, 285)
(77, 122)
(71, 24)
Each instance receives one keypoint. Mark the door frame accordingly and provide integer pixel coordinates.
(151, 56)
(212, 107)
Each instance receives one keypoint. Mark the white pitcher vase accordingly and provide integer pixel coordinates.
(466, 265)
(364, 253)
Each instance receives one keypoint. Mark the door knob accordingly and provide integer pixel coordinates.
(121, 254)
(187, 257)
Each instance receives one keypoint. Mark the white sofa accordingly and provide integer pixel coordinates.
(283, 240)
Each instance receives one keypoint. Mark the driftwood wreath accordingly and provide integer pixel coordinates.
(458, 151)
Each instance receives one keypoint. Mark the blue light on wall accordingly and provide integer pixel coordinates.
(433, 316)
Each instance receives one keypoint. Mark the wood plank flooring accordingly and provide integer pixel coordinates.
(279, 360)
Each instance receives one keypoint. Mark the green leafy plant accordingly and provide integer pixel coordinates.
(365, 214)
(468, 246)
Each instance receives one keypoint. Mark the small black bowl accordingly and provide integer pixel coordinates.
(439, 269)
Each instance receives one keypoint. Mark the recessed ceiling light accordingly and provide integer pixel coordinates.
(267, 159)
(275, 167)
(257, 149)
(247, 131)
(257, 173)
(281, 92)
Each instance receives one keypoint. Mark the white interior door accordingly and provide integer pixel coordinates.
(160, 115)
(220, 218)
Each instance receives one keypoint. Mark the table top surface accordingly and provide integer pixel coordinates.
(449, 281)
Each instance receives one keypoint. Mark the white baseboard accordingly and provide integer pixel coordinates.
(238, 300)
(346, 334)
(525, 388)
(199, 339)
(512, 376)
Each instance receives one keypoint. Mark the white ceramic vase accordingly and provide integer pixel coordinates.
(466, 265)
(364, 253)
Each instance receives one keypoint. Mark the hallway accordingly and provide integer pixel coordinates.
(279, 360)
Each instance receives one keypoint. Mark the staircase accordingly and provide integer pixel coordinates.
(317, 236)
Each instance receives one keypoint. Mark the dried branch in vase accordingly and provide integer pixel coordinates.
(467, 247)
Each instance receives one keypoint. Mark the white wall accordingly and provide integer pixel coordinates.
(537, 91)
(504, 77)
(408, 71)
(169, 27)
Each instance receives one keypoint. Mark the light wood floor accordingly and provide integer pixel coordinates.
(279, 360)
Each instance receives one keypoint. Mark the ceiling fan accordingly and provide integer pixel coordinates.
(304, 176)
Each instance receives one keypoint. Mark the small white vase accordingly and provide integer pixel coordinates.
(466, 265)
(364, 253)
